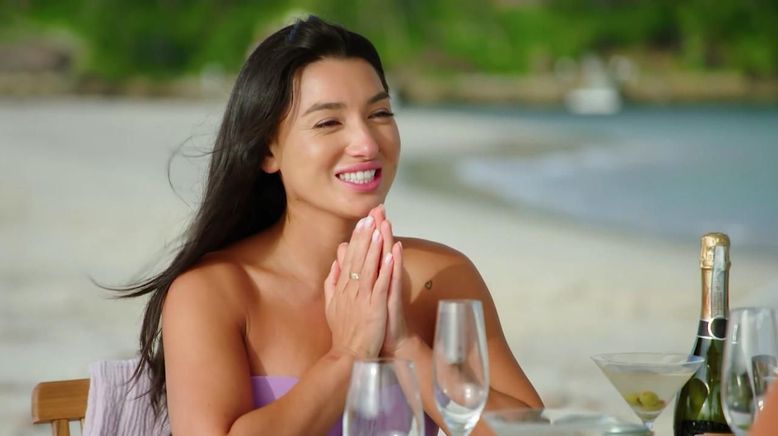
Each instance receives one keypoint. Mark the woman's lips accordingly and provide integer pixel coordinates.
(362, 180)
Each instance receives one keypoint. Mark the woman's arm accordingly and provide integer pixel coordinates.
(766, 422)
(444, 273)
(420, 353)
(207, 371)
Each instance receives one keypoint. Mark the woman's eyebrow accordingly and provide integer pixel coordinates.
(322, 106)
(338, 105)
(378, 97)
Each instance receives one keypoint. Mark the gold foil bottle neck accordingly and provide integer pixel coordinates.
(708, 244)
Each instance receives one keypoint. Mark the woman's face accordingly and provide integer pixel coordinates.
(337, 149)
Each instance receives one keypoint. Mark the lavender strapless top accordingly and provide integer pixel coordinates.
(266, 389)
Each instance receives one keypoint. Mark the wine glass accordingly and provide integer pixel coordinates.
(648, 381)
(750, 359)
(460, 365)
(383, 399)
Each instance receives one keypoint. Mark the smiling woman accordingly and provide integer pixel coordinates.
(338, 139)
(290, 270)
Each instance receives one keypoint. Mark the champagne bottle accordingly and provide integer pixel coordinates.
(698, 407)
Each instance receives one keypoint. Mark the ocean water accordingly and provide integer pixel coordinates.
(674, 172)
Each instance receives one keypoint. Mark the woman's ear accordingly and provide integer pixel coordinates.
(270, 163)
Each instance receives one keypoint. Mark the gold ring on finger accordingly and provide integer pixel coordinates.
(354, 276)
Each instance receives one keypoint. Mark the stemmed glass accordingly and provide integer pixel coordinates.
(460, 366)
(750, 361)
(648, 381)
(383, 399)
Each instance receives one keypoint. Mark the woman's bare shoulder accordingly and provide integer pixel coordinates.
(437, 269)
(431, 255)
(217, 284)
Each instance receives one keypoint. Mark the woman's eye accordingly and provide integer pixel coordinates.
(383, 113)
(326, 123)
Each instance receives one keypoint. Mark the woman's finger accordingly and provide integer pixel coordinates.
(357, 250)
(370, 268)
(382, 283)
(395, 287)
(379, 214)
(341, 254)
(330, 283)
(386, 232)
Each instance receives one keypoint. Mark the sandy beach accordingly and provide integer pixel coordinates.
(84, 194)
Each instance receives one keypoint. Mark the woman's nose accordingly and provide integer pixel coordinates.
(363, 142)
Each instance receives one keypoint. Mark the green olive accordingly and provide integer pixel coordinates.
(648, 398)
(632, 399)
(659, 405)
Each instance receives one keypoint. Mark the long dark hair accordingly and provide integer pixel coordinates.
(240, 199)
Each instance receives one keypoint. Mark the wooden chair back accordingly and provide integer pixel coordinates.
(59, 403)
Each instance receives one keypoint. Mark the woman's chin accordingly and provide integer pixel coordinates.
(362, 207)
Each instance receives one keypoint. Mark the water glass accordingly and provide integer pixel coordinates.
(383, 399)
(750, 360)
(460, 364)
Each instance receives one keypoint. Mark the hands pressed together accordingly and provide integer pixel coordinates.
(363, 291)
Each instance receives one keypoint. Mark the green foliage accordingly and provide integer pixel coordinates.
(155, 38)
(734, 33)
(166, 38)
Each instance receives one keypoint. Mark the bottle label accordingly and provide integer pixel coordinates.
(715, 328)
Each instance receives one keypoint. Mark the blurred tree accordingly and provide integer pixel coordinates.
(166, 38)
(734, 33)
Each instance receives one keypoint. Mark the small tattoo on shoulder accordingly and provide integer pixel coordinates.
(428, 285)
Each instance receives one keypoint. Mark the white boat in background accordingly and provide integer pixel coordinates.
(593, 100)
(597, 93)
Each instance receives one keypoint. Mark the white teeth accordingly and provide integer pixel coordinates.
(358, 177)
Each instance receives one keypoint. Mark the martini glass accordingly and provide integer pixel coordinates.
(648, 381)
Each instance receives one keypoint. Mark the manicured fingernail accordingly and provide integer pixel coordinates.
(368, 220)
(360, 224)
(388, 258)
(376, 235)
